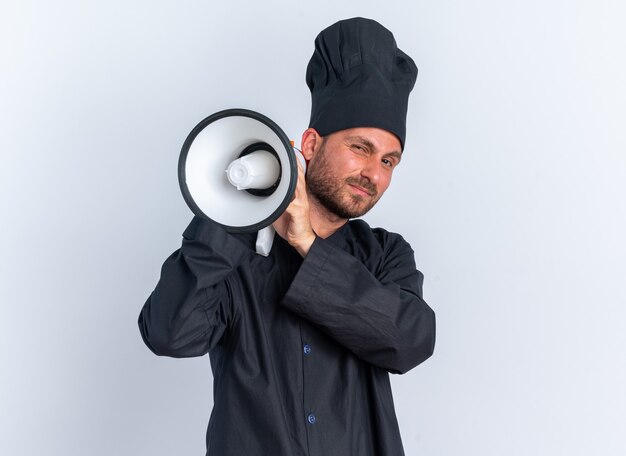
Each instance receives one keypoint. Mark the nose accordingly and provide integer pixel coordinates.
(372, 170)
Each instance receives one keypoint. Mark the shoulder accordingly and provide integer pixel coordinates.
(380, 250)
(386, 241)
(392, 259)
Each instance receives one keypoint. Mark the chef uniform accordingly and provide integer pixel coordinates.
(301, 348)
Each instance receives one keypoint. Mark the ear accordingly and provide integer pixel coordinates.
(311, 140)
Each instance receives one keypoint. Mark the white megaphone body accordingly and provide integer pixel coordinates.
(238, 169)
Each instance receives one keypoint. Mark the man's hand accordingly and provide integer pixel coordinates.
(294, 225)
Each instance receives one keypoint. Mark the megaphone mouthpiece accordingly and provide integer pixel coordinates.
(258, 170)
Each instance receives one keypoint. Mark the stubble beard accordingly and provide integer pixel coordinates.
(332, 192)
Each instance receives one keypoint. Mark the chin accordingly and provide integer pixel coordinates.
(357, 211)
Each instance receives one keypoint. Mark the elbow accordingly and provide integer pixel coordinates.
(157, 341)
(162, 344)
(410, 358)
(154, 335)
(418, 347)
(175, 341)
(427, 343)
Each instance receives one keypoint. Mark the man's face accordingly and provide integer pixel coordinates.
(351, 169)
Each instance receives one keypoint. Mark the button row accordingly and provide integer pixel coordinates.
(311, 417)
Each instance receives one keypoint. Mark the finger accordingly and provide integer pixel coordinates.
(301, 177)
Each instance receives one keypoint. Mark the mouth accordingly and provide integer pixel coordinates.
(360, 190)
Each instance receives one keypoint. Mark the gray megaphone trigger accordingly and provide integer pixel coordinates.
(269, 175)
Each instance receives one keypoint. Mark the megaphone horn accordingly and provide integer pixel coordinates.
(238, 169)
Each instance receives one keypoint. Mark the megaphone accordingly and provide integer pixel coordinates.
(238, 169)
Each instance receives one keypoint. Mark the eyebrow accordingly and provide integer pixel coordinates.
(366, 142)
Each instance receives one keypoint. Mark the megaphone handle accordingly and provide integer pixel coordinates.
(300, 157)
(264, 240)
(265, 236)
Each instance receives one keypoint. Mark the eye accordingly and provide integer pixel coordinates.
(358, 147)
(388, 163)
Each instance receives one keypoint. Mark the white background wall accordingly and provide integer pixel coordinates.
(511, 192)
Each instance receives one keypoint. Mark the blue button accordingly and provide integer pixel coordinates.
(307, 349)
(311, 418)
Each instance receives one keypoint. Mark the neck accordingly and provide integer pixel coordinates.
(323, 222)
